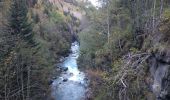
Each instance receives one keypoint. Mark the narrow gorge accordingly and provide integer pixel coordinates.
(84, 49)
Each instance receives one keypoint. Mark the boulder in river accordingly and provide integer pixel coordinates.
(65, 80)
(64, 69)
(71, 74)
(57, 69)
(86, 79)
(57, 65)
(50, 82)
(61, 59)
(54, 78)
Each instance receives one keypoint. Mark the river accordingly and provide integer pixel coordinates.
(72, 84)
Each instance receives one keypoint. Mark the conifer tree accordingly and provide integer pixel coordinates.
(19, 21)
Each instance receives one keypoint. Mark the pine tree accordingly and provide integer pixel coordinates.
(18, 22)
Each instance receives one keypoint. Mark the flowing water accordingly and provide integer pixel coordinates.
(71, 85)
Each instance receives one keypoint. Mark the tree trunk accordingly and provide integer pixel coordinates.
(22, 82)
(153, 19)
(161, 8)
(108, 22)
(28, 83)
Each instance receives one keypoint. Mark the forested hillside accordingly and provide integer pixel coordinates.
(33, 36)
(124, 50)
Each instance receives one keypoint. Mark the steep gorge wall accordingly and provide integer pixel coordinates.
(159, 61)
(160, 73)
(70, 9)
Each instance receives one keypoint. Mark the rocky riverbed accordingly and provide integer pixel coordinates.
(71, 84)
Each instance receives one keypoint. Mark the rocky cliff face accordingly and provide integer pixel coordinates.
(159, 62)
(160, 72)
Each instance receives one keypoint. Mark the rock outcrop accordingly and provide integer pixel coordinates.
(159, 63)
(160, 72)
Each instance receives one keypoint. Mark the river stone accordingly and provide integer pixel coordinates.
(54, 78)
(64, 69)
(71, 74)
(59, 66)
(86, 79)
(65, 80)
(57, 69)
(50, 82)
(61, 59)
